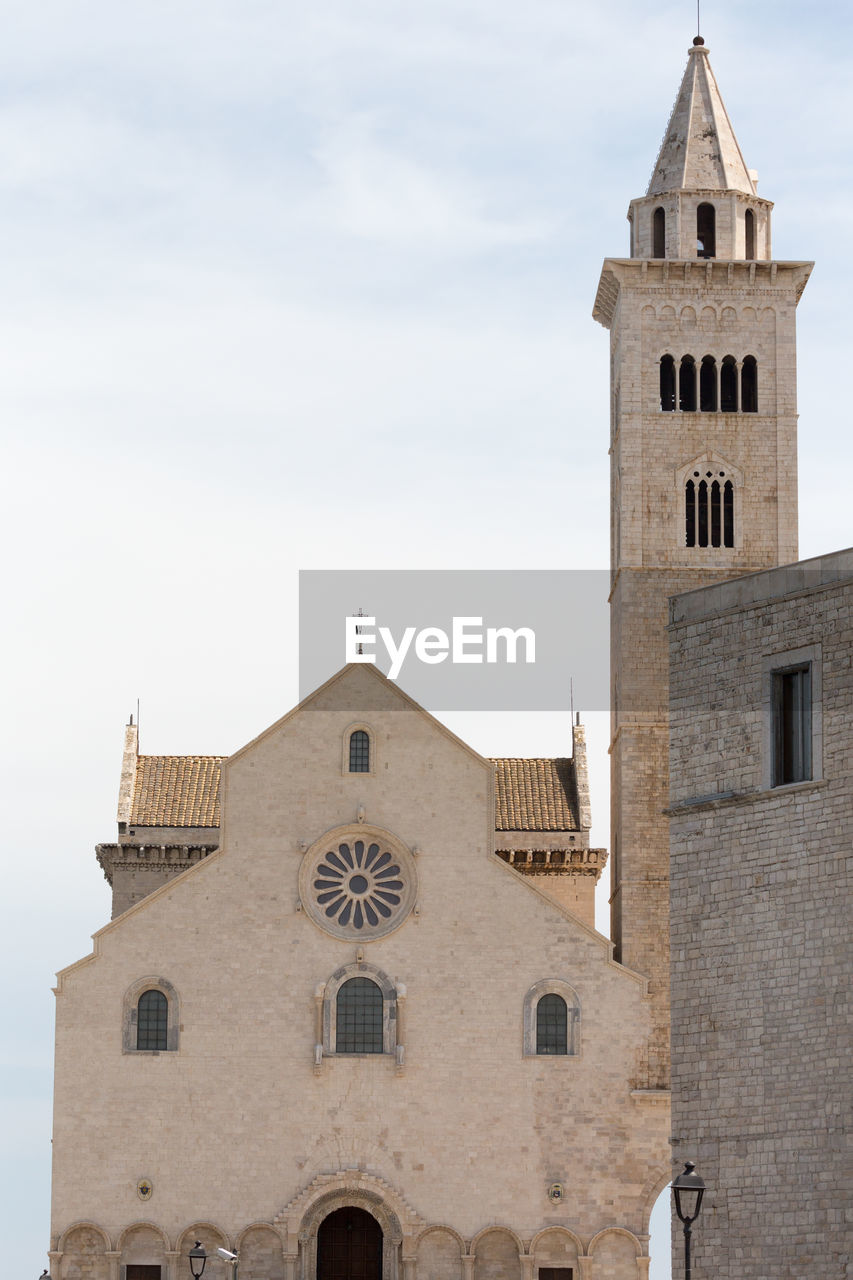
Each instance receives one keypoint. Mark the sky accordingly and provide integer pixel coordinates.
(292, 286)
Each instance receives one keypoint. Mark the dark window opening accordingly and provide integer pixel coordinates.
(690, 513)
(749, 386)
(552, 1025)
(555, 1273)
(139, 1271)
(728, 514)
(359, 752)
(703, 513)
(728, 385)
(715, 513)
(152, 1020)
(687, 385)
(708, 385)
(706, 231)
(792, 725)
(667, 383)
(659, 234)
(358, 1025)
(749, 228)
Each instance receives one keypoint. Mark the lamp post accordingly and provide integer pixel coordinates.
(198, 1258)
(688, 1190)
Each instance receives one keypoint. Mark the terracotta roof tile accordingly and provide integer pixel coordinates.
(176, 791)
(535, 794)
(531, 794)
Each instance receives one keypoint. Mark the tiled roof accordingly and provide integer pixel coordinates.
(176, 791)
(535, 794)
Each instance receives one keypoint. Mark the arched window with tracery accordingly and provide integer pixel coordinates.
(706, 231)
(709, 509)
(749, 234)
(708, 385)
(749, 385)
(667, 383)
(659, 234)
(687, 385)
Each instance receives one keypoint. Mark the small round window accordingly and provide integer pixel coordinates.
(358, 883)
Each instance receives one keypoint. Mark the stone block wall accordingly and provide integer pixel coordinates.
(761, 1032)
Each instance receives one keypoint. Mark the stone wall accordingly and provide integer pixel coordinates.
(760, 926)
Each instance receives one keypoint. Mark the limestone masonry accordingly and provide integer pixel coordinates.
(351, 1018)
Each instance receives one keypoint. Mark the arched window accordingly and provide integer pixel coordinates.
(359, 1010)
(709, 510)
(152, 1020)
(659, 234)
(667, 383)
(552, 1021)
(708, 385)
(151, 1017)
(749, 230)
(359, 752)
(358, 1017)
(687, 385)
(749, 386)
(706, 231)
(728, 385)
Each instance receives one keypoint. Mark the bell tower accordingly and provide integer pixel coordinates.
(703, 428)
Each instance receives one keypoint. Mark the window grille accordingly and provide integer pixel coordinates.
(552, 1025)
(152, 1020)
(359, 752)
(358, 1025)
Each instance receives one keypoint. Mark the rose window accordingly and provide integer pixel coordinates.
(358, 884)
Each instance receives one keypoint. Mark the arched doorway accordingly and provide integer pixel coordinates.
(349, 1246)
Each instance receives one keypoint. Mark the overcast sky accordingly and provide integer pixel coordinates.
(309, 286)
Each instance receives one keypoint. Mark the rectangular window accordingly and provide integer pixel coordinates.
(792, 725)
(555, 1273)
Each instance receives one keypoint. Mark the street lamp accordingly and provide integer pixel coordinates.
(198, 1258)
(688, 1189)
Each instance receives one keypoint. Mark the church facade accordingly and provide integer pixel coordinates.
(366, 1009)
(351, 1018)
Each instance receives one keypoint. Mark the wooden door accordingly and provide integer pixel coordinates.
(349, 1246)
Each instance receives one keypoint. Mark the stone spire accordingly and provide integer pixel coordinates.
(700, 150)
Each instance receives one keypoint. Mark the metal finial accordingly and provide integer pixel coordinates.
(697, 40)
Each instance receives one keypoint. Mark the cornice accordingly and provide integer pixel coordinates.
(674, 275)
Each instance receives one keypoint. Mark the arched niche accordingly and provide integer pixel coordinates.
(497, 1253)
(261, 1253)
(439, 1254)
(84, 1253)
